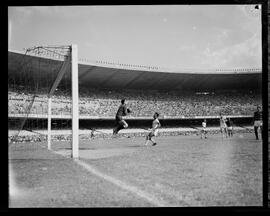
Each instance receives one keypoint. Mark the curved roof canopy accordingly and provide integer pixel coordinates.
(100, 75)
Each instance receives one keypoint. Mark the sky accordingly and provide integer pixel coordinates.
(171, 36)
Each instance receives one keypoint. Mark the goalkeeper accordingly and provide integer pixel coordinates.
(122, 111)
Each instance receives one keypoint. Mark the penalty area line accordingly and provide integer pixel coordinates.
(122, 184)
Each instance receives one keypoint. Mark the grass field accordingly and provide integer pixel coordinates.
(180, 171)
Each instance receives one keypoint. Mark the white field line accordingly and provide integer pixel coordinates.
(119, 183)
(123, 185)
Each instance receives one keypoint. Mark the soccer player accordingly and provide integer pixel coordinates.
(122, 111)
(257, 121)
(230, 127)
(154, 130)
(223, 126)
(203, 131)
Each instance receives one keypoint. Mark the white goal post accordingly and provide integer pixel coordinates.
(75, 101)
(72, 59)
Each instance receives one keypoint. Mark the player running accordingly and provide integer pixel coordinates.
(154, 130)
(122, 111)
(203, 131)
(223, 126)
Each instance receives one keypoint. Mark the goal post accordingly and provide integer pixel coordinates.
(75, 101)
(43, 93)
(72, 59)
(49, 137)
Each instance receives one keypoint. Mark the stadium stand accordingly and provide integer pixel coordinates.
(182, 97)
(104, 103)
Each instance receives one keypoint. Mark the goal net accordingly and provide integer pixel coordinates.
(43, 99)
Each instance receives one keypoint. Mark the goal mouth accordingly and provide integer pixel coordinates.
(41, 97)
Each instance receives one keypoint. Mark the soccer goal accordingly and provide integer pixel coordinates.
(43, 96)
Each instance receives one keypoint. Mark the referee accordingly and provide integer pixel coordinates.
(258, 121)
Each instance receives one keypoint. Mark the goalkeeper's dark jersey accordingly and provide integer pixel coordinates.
(257, 116)
(122, 111)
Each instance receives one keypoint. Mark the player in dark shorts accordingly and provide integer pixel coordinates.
(230, 127)
(121, 123)
(258, 122)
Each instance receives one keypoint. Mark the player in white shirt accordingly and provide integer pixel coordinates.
(203, 131)
(154, 130)
(223, 126)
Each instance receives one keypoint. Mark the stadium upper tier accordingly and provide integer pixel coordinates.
(123, 76)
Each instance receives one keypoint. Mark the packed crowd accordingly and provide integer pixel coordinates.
(104, 103)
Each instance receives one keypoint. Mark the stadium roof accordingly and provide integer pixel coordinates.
(109, 75)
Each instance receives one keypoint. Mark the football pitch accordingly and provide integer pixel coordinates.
(180, 171)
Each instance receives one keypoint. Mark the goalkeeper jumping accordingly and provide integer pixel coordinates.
(122, 111)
